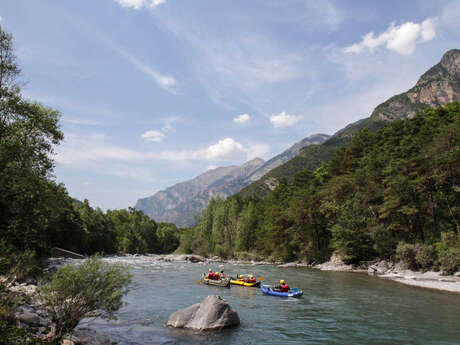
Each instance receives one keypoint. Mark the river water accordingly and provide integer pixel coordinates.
(337, 308)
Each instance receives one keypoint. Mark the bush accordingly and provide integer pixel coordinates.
(75, 291)
(405, 253)
(449, 252)
(18, 265)
(426, 256)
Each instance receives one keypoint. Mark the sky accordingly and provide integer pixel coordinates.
(156, 92)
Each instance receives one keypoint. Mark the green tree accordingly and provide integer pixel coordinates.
(75, 291)
(28, 132)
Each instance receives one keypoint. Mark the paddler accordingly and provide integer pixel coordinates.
(210, 274)
(216, 276)
(241, 278)
(284, 287)
(251, 279)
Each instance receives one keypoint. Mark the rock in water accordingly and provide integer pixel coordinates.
(213, 313)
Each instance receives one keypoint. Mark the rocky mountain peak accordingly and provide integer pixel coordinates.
(255, 161)
(451, 61)
(437, 87)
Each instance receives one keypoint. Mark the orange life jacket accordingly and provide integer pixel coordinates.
(284, 288)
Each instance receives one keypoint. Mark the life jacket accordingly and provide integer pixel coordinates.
(210, 275)
(216, 276)
(284, 288)
(252, 280)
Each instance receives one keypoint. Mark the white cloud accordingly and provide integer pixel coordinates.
(403, 39)
(154, 136)
(225, 149)
(284, 120)
(138, 4)
(242, 118)
(257, 150)
(166, 82)
(86, 150)
(81, 121)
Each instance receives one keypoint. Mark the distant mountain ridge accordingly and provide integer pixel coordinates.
(181, 203)
(287, 155)
(436, 87)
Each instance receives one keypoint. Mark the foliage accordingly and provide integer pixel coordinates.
(449, 252)
(18, 265)
(426, 256)
(75, 291)
(28, 131)
(406, 253)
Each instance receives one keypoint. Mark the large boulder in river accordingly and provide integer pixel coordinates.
(213, 313)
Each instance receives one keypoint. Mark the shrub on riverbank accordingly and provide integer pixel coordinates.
(76, 291)
(449, 252)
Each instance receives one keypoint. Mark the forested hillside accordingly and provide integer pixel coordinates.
(395, 192)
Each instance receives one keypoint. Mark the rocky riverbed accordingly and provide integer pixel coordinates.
(396, 272)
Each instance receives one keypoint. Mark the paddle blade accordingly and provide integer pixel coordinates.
(198, 282)
(261, 278)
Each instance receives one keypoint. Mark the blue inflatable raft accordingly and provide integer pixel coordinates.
(293, 292)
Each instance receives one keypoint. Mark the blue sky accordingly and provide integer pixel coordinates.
(155, 92)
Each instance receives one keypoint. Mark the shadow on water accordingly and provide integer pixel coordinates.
(337, 308)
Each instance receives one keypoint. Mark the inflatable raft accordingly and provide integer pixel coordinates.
(242, 283)
(225, 282)
(293, 292)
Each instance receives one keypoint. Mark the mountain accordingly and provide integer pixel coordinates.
(438, 86)
(287, 155)
(181, 203)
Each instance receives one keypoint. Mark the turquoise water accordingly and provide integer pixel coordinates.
(337, 308)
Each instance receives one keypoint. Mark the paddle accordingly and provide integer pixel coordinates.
(198, 282)
(261, 278)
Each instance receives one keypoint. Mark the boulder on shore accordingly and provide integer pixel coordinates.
(293, 264)
(86, 336)
(196, 258)
(213, 313)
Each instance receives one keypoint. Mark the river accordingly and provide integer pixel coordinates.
(337, 308)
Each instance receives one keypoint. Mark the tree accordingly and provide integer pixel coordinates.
(28, 132)
(75, 291)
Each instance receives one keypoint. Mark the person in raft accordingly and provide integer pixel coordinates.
(251, 279)
(216, 276)
(283, 287)
(241, 278)
(222, 274)
(210, 274)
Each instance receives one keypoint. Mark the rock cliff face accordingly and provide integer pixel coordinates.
(181, 203)
(438, 86)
